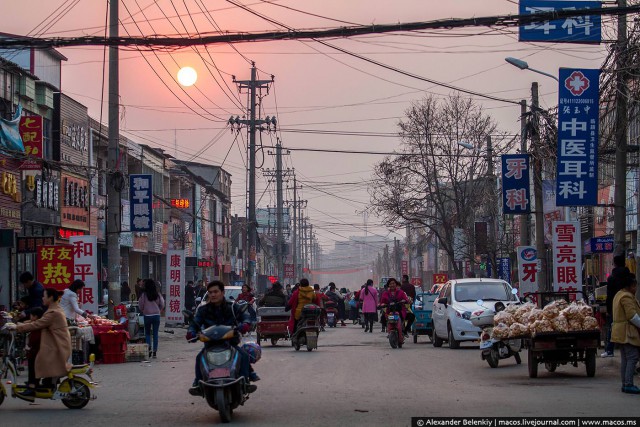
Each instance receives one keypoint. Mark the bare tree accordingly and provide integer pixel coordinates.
(433, 181)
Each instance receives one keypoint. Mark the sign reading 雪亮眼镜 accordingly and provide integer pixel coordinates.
(141, 197)
(175, 284)
(85, 256)
(55, 266)
(527, 269)
(573, 29)
(577, 180)
(515, 184)
(567, 256)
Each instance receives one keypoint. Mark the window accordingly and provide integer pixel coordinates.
(469, 292)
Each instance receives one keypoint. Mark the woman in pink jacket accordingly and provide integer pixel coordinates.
(369, 298)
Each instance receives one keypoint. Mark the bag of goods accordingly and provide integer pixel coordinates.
(575, 324)
(512, 308)
(500, 332)
(518, 330)
(590, 323)
(522, 313)
(540, 326)
(584, 309)
(503, 317)
(560, 324)
(535, 315)
(571, 312)
(551, 311)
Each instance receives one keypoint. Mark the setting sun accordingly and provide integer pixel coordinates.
(187, 76)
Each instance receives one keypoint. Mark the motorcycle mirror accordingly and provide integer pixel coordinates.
(480, 302)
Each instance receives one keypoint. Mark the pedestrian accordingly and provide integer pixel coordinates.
(151, 304)
(69, 301)
(201, 292)
(408, 288)
(33, 349)
(626, 333)
(125, 291)
(35, 290)
(369, 298)
(55, 341)
(190, 296)
(288, 290)
(619, 278)
(139, 288)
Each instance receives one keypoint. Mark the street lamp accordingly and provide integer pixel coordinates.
(523, 65)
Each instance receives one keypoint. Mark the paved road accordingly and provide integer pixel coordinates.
(352, 379)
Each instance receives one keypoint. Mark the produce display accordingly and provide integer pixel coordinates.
(559, 316)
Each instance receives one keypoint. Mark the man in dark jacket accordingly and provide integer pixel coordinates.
(219, 311)
(35, 290)
(339, 300)
(408, 288)
(274, 297)
(190, 296)
(620, 276)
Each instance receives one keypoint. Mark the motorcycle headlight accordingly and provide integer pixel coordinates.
(218, 357)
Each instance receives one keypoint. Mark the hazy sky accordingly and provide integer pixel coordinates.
(316, 88)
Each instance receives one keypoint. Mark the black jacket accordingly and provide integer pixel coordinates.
(273, 299)
(190, 297)
(618, 279)
(224, 314)
(36, 292)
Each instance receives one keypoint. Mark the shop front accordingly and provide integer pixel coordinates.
(10, 200)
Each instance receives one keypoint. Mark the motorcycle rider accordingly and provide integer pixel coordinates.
(338, 299)
(302, 296)
(410, 290)
(219, 311)
(394, 294)
(322, 298)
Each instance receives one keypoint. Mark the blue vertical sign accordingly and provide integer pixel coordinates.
(141, 199)
(504, 269)
(578, 113)
(575, 29)
(516, 197)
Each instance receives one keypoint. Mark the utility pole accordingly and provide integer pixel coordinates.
(492, 247)
(622, 92)
(537, 189)
(295, 238)
(253, 123)
(409, 272)
(524, 219)
(115, 183)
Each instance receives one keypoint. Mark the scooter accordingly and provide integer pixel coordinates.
(223, 386)
(74, 390)
(394, 325)
(493, 350)
(332, 314)
(308, 328)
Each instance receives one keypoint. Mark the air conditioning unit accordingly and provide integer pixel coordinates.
(44, 96)
(27, 88)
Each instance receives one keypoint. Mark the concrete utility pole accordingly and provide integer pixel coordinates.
(493, 247)
(295, 238)
(524, 219)
(622, 92)
(253, 123)
(537, 189)
(115, 180)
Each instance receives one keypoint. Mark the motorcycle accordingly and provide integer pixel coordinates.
(74, 390)
(332, 313)
(394, 325)
(223, 387)
(307, 329)
(493, 350)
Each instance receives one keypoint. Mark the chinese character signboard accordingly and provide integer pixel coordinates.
(527, 269)
(288, 271)
(175, 284)
(596, 245)
(573, 29)
(31, 132)
(440, 278)
(85, 256)
(515, 184)
(180, 203)
(567, 256)
(28, 245)
(141, 197)
(577, 181)
(504, 269)
(54, 266)
(405, 267)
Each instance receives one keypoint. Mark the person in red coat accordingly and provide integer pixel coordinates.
(299, 298)
(395, 294)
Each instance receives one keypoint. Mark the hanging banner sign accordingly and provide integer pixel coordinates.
(574, 29)
(55, 266)
(516, 197)
(578, 113)
(440, 278)
(288, 271)
(567, 257)
(504, 269)
(527, 269)
(141, 198)
(85, 268)
(31, 131)
(175, 284)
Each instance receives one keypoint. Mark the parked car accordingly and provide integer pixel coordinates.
(455, 303)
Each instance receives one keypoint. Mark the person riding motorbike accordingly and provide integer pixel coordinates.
(302, 296)
(322, 298)
(274, 297)
(394, 294)
(334, 296)
(219, 311)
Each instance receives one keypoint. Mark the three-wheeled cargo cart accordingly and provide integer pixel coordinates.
(560, 348)
(272, 324)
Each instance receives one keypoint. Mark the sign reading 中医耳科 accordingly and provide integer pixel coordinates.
(141, 198)
(175, 280)
(516, 198)
(572, 29)
(578, 113)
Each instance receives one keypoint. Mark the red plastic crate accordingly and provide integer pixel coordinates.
(113, 337)
(110, 358)
(114, 348)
